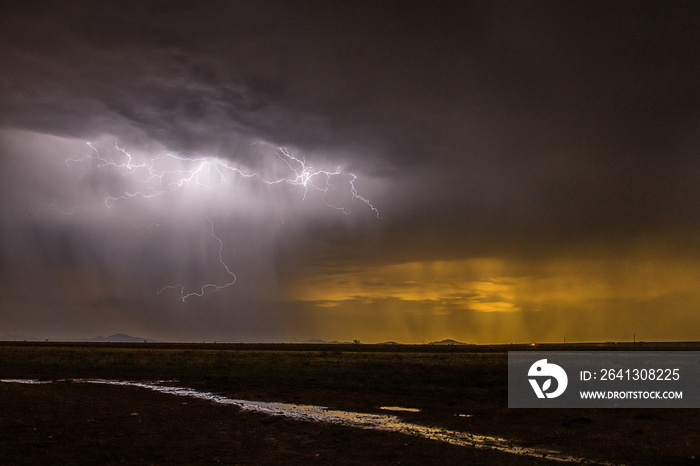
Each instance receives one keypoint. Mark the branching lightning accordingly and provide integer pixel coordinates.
(206, 286)
(306, 176)
(166, 173)
(156, 181)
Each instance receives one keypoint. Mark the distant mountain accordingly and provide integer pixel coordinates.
(316, 341)
(447, 342)
(390, 343)
(117, 338)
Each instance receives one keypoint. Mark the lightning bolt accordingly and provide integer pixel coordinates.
(307, 177)
(156, 181)
(155, 176)
(207, 286)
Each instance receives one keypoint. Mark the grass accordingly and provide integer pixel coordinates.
(334, 370)
(443, 382)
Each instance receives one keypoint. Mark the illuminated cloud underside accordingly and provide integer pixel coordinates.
(209, 185)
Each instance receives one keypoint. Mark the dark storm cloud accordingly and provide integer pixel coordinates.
(490, 88)
(477, 128)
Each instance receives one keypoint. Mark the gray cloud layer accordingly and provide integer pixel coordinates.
(543, 100)
(476, 127)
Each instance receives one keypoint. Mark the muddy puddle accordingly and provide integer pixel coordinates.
(383, 422)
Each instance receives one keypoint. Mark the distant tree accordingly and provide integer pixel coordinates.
(357, 342)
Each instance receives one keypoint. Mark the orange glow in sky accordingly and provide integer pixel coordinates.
(486, 300)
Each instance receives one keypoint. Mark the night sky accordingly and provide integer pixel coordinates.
(488, 172)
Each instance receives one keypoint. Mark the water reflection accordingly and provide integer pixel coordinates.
(400, 408)
(27, 381)
(381, 422)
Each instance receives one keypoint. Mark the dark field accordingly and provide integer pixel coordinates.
(75, 423)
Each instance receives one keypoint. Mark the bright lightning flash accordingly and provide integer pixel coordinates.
(155, 176)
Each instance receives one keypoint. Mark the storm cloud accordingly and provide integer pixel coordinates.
(534, 168)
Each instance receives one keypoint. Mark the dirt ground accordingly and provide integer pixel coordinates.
(69, 423)
(76, 423)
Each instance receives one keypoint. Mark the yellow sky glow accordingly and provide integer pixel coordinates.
(572, 295)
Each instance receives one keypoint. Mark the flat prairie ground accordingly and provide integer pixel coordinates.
(461, 388)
